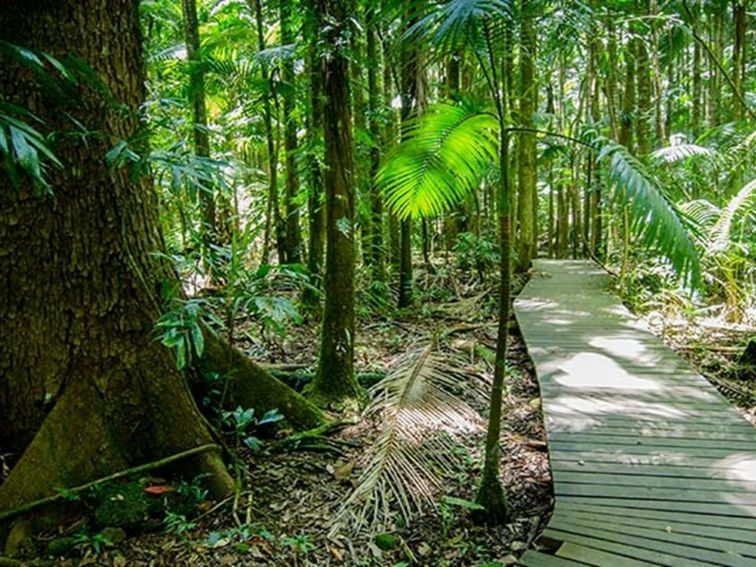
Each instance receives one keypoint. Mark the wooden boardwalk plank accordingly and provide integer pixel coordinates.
(651, 465)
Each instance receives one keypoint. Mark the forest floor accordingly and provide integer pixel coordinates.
(288, 501)
(286, 506)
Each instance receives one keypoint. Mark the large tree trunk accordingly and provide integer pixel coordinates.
(85, 390)
(335, 378)
(83, 386)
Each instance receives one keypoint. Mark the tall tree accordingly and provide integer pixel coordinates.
(293, 243)
(411, 96)
(335, 380)
(375, 107)
(200, 132)
(528, 196)
(315, 208)
(274, 224)
(83, 386)
(85, 390)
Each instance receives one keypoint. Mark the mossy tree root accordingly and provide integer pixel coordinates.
(251, 386)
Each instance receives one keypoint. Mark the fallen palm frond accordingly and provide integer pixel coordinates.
(422, 413)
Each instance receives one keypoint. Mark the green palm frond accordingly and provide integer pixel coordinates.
(442, 160)
(457, 24)
(422, 414)
(655, 219)
(681, 152)
(24, 147)
(721, 231)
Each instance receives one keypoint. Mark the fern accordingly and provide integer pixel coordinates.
(721, 238)
(681, 152)
(421, 413)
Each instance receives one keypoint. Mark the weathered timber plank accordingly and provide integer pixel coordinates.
(669, 548)
(591, 556)
(537, 559)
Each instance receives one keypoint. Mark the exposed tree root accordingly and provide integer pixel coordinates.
(251, 386)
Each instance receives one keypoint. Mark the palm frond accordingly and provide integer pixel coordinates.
(422, 414)
(458, 24)
(721, 230)
(442, 159)
(23, 146)
(655, 219)
(681, 152)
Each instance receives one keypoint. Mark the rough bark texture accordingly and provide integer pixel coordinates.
(335, 379)
(83, 386)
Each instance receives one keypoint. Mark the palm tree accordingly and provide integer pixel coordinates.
(449, 148)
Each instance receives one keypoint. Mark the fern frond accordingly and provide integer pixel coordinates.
(721, 230)
(422, 413)
(442, 160)
(655, 219)
(681, 152)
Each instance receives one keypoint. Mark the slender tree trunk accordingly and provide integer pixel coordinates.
(84, 389)
(528, 201)
(611, 77)
(628, 102)
(293, 242)
(274, 225)
(375, 101)
(411, 93)
(315, 208)
(644, 108)
(739, 54)
(200, 130)
(335, 380)
(697, 114)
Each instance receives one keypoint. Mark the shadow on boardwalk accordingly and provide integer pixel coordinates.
(651, 465)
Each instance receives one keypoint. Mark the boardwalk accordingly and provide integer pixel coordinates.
(651, 465)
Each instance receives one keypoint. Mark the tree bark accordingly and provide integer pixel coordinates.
(82, 382)
(293, 242)
(412, 94)
(375, 102)
(200, 131)
(274, 224)
(528, 198)
(315, 208)
(335, 380)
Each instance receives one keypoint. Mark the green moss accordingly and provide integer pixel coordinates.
(61, 546)
(124, 505)
(386, 541)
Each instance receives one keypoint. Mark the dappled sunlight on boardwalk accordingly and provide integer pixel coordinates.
(651, 465)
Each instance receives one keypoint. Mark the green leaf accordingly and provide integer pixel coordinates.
(442, 160)
(654, 218)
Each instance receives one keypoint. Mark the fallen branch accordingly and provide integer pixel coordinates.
(115, 476)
